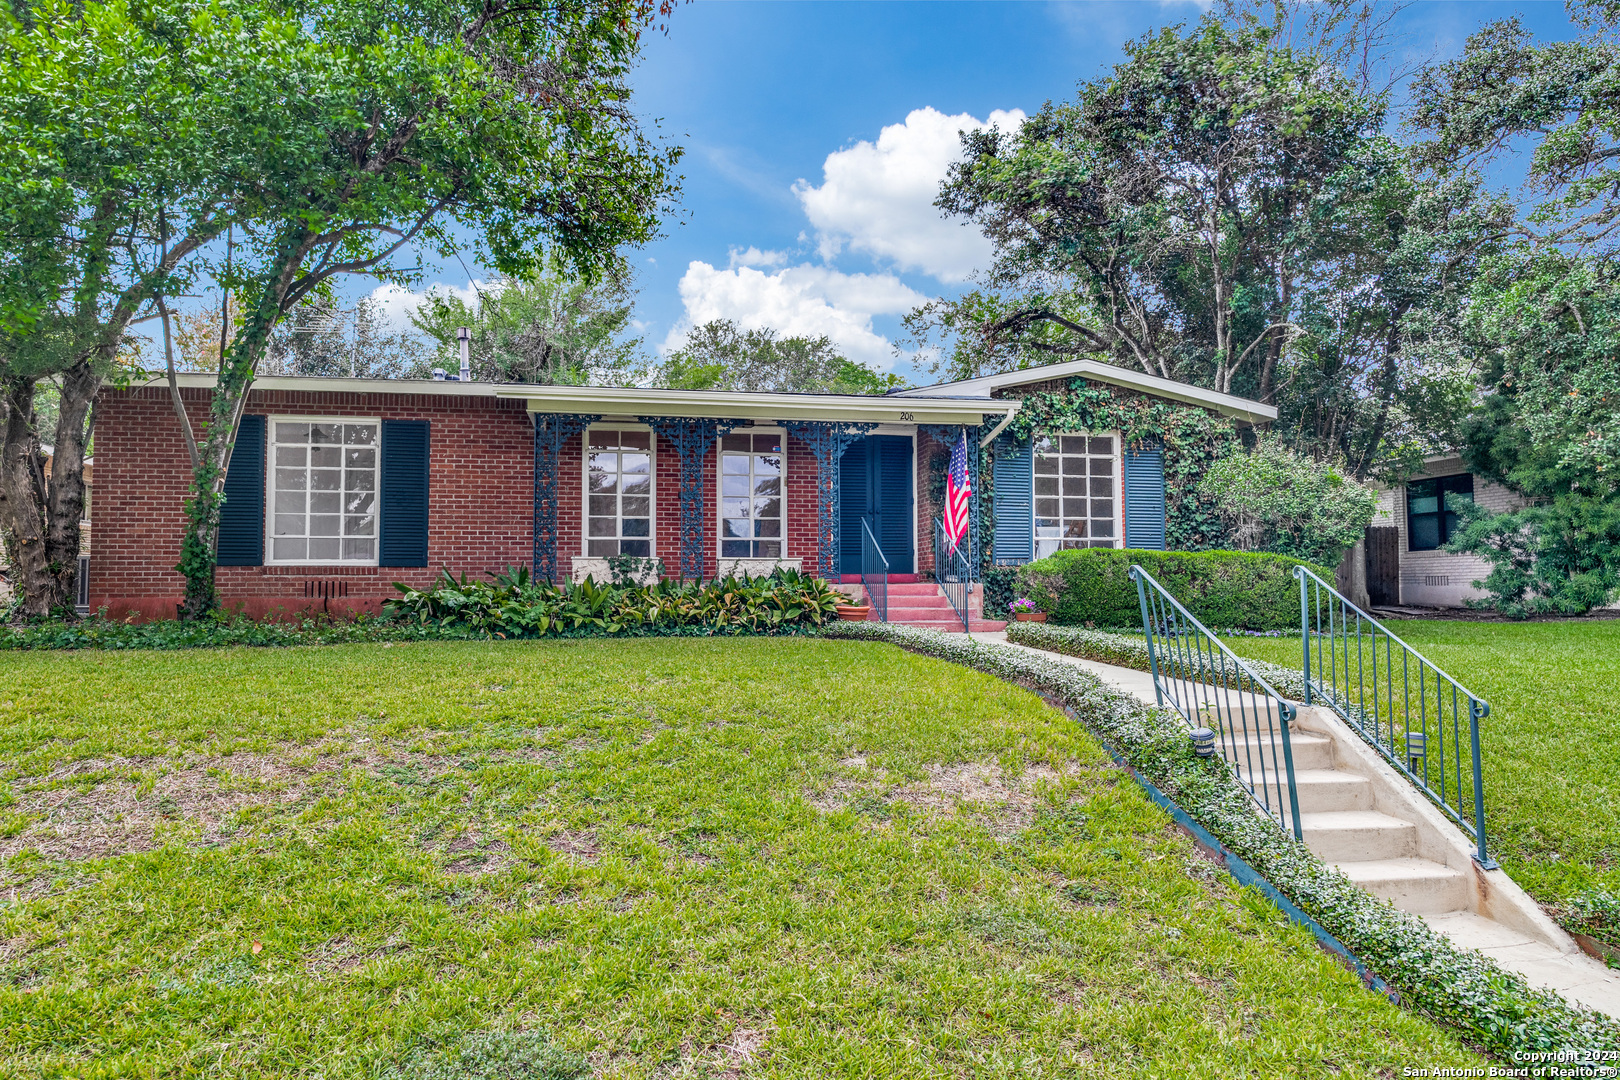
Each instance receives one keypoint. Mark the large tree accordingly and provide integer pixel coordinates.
(1173, 202)
(547, 328)
(720, 355)
(391, 123)
(109, 188)
(1545, 311)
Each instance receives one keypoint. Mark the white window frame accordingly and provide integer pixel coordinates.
(585, 491)
(720, 496)
(1119, 489)
(270, 491)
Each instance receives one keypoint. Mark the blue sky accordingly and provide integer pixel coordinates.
(816, 134)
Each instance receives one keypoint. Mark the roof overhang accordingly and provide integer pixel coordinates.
(854, 408)
(1252, 412)
(633, 401)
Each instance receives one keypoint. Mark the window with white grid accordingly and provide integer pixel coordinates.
(751, 496)
(323, 491)
(1076, 489)
(619, 490)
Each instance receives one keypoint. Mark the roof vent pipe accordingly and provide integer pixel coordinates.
(438, 374)
(464, 336)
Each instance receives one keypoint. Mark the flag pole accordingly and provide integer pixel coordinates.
(973, 493)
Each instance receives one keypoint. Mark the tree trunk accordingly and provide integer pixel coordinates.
(64, 496)
(22, 501)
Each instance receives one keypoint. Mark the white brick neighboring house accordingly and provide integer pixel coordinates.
(1433, 577)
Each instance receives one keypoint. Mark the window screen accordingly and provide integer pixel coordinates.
(1428, 523)
(1075, 489)
(323, 492)
(619, 492)
(751, 496)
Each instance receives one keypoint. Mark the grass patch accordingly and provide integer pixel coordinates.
(724, 857)
(1551, 744)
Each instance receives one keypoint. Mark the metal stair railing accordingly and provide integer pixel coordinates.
(1418, 718)
(1222, 700)
(952, 571)
(874, 572)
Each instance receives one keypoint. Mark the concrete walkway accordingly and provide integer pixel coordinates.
(1369, 823)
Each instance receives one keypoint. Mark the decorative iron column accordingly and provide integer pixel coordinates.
(693, 437)
(827, 439)
(948, 434)
(551, 430)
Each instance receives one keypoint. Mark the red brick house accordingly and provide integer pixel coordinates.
(338, 488)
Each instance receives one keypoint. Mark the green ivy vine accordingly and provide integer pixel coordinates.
(1192, 438)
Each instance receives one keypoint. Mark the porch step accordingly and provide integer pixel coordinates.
(1326, 790)
(1417, 885)
(1358, 835)
(1310, 751)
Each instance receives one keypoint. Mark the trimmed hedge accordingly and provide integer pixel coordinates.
(1245, 589)
(1488, 1004)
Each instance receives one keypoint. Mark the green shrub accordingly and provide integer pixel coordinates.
(1272, 499)
(514, 605)
(1562, 558)
(1225, 589)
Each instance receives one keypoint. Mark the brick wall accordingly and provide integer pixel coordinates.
(1439, 578)
(480, 514)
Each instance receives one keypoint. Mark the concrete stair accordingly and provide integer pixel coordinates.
(1369, 823)
(923, 604)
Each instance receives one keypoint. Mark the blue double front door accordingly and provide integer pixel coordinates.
(875, 482)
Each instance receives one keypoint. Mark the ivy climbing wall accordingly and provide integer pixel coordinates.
(1191, 437)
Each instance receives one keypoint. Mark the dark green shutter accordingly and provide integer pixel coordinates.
(895, 510)
(1144, 498)
(854, 503)
(403, 511)
(241, 517)
(1014, 502)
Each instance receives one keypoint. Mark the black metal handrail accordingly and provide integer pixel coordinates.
(1395, 698)
(874, 572)
(952, 571)
(1222, 700)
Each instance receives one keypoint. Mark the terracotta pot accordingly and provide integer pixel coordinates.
(1030, 616)
(854, 612)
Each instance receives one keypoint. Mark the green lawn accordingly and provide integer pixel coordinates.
(679, 858)
(1551, 742)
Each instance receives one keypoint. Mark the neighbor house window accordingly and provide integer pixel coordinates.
(619, 487)
(751, 496)
(1428, 523)
(323, 491)
(1075, 492)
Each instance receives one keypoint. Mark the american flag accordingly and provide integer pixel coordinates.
(958, 489)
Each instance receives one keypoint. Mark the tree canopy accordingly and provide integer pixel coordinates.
(720, 355)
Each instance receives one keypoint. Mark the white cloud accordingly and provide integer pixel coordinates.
(806, 301)
(752, 256)
(878, 198)
(397, 302)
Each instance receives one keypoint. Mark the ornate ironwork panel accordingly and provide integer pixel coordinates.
(551, 430)
(948, 434)
(827, 439)
(693, 437)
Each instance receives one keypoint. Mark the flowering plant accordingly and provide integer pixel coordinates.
(1022, 604)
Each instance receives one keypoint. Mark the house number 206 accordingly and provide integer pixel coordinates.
(905, 416)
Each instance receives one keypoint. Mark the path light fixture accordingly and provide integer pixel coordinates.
(1203, 740)
(1417, 748)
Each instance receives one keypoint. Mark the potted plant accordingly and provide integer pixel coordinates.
(1024, 610)
(854, 611)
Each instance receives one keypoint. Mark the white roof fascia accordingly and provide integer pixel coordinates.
(314, 384)
(643, 401)
(1227, 404)
(855, 408)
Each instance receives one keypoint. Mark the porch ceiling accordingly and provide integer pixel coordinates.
(638, 401)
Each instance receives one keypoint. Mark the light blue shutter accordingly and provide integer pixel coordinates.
(1144, 498)
(1014, 502)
